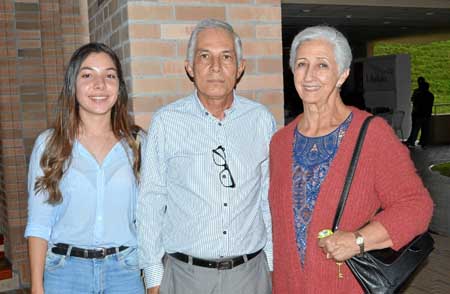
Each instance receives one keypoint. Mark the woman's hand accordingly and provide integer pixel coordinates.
(340, 246)
(37, 290)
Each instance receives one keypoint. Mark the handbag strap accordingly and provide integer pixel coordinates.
(350, 173)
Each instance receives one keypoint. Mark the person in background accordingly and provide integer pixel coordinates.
(422, 101)
(82, 184)
(203, 199)
(309, 159)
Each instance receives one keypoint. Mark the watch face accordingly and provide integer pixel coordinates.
(360, 240)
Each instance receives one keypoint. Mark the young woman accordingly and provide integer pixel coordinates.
(82, 184)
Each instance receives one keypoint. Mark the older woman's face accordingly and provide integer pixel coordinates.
(316, 73)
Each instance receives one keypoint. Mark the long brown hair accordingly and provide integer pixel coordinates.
(57, 154)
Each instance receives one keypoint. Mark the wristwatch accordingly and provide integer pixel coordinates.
(360, 243)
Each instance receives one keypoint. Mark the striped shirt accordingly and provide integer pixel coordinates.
(184, 205)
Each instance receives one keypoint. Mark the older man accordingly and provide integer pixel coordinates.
(203, 201)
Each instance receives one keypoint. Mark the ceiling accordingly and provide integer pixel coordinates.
(365, 23)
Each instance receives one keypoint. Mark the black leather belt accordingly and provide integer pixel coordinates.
(220, 264)
(62, 249)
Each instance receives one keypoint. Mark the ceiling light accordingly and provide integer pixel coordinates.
(404, 28)
(429, 13)
(306, 10)
(348, 16)
(386, 22)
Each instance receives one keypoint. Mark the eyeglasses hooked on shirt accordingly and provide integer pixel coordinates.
(220, 159)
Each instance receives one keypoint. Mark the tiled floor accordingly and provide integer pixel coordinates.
(434, 277)
(438, 185)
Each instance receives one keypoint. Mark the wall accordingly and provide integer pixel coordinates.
(386, 84)
(36, 37)
(151, 39)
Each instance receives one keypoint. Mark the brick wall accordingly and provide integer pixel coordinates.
(36, 39)
(151, 39)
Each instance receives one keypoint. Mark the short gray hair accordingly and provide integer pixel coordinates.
(342, 51)
(212, 24)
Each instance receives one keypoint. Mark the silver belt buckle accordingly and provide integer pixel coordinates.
(102, 252)
(225, 265)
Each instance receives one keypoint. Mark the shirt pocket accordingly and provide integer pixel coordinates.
(186, 166)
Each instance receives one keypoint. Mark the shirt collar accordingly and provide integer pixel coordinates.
(228, 112)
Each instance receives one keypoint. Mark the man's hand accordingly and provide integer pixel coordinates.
(153, 290)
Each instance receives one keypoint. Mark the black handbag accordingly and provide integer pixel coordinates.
(385, 270)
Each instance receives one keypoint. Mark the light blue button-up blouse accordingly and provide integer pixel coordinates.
(98, 206)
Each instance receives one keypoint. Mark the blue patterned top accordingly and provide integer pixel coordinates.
(312, 157)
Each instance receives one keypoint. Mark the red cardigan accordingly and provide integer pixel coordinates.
(385, 177)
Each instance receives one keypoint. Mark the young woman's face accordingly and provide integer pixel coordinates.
(97, 86)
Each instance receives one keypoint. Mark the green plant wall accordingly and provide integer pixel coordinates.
(431, 61)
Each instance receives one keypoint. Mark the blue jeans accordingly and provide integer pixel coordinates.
(115, 274)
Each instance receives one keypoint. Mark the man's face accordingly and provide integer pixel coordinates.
(215, 70)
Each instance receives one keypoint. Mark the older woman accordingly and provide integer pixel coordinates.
(308, 162)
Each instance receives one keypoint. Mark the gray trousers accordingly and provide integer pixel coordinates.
(252, 277)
